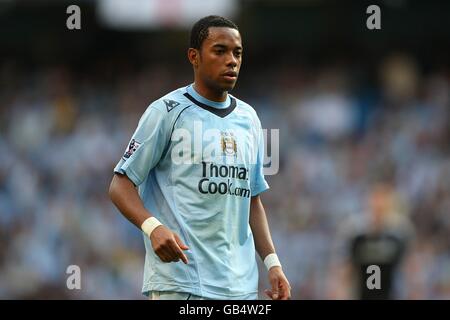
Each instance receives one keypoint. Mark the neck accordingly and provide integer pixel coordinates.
(210, 94)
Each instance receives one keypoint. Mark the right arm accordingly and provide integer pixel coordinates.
(143, 153)
(166, 244)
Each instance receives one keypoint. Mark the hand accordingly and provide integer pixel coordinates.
(168, 245)
(281, 289)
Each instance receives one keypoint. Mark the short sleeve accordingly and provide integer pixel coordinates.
(258, 182)
(146, 146)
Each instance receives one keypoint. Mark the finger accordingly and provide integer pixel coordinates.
(180, 254)
(179, 245)
(166, 253)
(275, 293)
(173, 257)
(175, 251)
(288, 290)
(162, 255)
(172, 251)
(180, 242)
(268, 293)
(284, 292)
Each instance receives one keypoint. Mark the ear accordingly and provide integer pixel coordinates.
(193, 56)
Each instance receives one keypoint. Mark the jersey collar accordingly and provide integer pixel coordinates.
(222, 111)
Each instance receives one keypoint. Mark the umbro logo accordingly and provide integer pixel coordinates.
(170, 104)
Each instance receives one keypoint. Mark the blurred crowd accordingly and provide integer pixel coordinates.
(62, 130)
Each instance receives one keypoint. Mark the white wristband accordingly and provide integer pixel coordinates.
(149, 225)
(271, 260)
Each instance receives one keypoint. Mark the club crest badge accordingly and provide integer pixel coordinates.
(228, 144)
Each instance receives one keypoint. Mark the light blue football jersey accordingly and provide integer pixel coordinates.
(197, 164)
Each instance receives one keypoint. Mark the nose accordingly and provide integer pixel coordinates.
(231, 60)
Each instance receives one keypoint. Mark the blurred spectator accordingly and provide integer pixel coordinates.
(382, 244)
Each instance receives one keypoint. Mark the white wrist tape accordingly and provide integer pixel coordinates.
(271, 260)
(149, 225)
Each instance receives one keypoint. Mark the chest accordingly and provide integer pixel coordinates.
(200, 136)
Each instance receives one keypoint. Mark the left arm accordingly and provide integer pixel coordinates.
(281, 290)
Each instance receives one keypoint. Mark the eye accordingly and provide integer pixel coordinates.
(220, 51)
(238, 54)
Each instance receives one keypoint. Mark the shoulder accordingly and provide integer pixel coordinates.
(171, 104)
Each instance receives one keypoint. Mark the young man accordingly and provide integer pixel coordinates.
(197, 158)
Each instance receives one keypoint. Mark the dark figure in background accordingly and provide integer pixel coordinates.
(381, 245)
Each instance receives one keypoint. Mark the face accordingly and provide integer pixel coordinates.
(218, 61)
(380, 202)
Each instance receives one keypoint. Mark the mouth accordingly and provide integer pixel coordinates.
(230, 75)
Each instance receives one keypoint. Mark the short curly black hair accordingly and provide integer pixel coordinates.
(200, 29)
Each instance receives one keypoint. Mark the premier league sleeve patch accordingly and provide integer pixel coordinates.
(132, 147)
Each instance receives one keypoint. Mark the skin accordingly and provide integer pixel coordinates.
(221, 52)
(380, 204)
(216, 68)
(281, 289)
